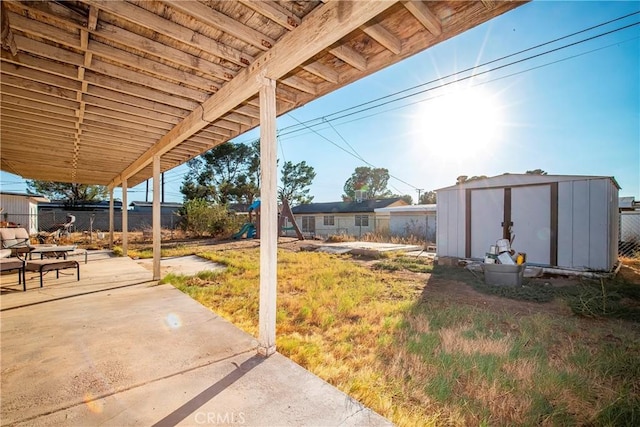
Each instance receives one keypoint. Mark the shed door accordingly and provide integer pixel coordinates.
(531, 217)
(487, 213)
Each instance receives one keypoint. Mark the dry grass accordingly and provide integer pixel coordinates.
(431, 361)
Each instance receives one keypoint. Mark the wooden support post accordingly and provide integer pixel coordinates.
(125, 225)
(268, 218)
(111, 215)
(157, 235)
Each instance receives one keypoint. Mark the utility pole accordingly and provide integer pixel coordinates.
(419, 190)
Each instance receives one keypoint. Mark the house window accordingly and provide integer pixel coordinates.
(362, 220)
(329, 220)
(308, 224)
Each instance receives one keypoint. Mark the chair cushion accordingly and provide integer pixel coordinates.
(14, 238)
(7, 233)
(9, 243)
(21, 233)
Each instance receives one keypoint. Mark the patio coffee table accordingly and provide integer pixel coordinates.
(55, 251)
(44, 265)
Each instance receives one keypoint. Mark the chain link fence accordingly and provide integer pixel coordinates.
(51, 221)
(629, 243)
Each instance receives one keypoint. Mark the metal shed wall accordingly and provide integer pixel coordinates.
(587, 218)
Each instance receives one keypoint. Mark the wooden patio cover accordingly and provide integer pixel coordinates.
(93, 89)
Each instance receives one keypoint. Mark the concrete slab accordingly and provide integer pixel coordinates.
(146, 354)
(370, 249)
(188, 265)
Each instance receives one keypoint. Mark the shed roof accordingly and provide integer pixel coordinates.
(513, 179)
(346, 207)
(112, 84)
(38, 198)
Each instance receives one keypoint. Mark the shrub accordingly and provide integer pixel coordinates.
(202, 218)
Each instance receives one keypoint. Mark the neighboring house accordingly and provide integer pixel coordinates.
(166, 208)
(557, 220)
(61, 206)
(351, 218)
(20, 209)
(411, 220)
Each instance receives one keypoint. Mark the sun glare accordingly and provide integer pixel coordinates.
(458, 125)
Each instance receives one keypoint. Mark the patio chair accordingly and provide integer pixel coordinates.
(17, 240)
(8, 264)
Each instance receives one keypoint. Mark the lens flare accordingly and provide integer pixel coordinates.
(94, 406)
(173, 321)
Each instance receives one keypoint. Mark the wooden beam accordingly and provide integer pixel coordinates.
(322, 71)
(147, 81)
(55, 116)
(39, 76)
(37, 96)
(172, 30)
(48, 51)
(154, 48)
(268, 219)
(203, 13)
(324, 25)
(142, 104)
(29, 61)
(384, 37)
(44, 31)
(6, 35)
(275, 12)
(32, 105)
(350, 56)
(152, 67)
(300, 84)
(131, 110)
(146, 92)
(157, 236)
(422, 13)
(125, 219)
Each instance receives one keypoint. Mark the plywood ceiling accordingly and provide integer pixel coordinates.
(91, 90)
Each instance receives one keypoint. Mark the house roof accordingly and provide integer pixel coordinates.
(417, 209)
(150, 204)
(345, 207)
(523, 179)
(114, 84)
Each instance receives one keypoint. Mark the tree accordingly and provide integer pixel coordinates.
(464, 178)
(226, 173)
(74, 195)
(536, 172)
(296, 180)
(428, 198)
(374, 181)
(406, 197)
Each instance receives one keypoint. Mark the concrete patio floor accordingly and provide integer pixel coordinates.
(116, 349)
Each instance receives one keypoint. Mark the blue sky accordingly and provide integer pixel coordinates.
(574, 111)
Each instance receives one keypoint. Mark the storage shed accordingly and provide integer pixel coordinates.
(557, 220)
(19, 209)
(411, 220)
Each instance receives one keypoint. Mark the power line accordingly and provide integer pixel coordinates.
(351, 154)
(485, 64)
(475, 85)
